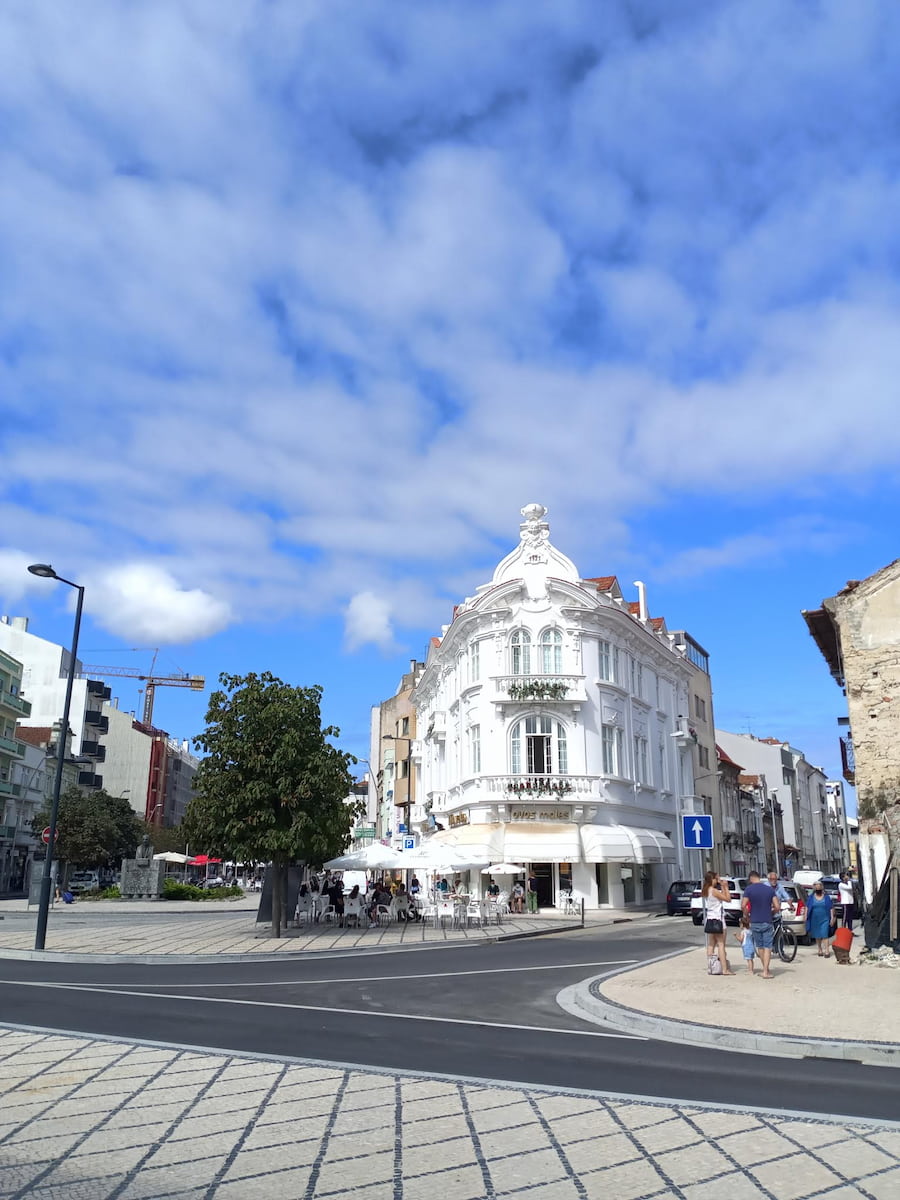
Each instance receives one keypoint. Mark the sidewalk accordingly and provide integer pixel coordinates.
(90, 1119)
(168, 937)
(813, 1006)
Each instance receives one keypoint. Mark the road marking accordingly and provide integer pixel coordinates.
(617, 962)
(353, 1012)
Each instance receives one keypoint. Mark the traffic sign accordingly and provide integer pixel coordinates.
(45, 836)
(409, 843)
(697, 831)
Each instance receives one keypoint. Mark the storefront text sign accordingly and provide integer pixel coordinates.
(458, 819)
(531, 814)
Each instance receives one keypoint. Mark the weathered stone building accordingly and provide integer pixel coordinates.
(858, 633)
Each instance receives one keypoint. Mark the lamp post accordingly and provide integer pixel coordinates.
(45, 571)
(407, 804)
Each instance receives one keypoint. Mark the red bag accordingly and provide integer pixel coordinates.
(843, 939)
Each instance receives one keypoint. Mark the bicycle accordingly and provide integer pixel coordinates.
(784, 942)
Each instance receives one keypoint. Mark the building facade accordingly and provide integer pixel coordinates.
(395, 747)
(45, 667)
(553, 730)
(152, 771)
(786, 791)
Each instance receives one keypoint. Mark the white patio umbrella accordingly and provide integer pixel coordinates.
(170, 856)
(374, 857)
(438, 857)
(503, 869)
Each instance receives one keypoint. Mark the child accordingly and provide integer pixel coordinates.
(745, 937)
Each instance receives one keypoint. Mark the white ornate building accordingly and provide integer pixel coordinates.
(554, 730)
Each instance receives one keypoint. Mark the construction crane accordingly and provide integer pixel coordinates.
(150, 680)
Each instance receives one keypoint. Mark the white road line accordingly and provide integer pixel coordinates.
(618, 962)
(353, 1012)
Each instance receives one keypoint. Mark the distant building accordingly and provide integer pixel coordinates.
(45, 667)
(151, 770)
(783, 787)
(396, 751)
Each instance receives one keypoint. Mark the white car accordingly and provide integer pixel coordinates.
(736, 885)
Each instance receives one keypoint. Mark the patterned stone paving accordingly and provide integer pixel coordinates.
(227, 935)
(90, 1119)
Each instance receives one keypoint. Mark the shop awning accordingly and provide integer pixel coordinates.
(626, 843)
(541, 841)
(481, 843)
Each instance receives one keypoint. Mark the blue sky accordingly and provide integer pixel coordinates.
(301, 302)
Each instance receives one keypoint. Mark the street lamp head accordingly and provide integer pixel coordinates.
(44, 570)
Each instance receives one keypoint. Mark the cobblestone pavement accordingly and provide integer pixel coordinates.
(227, 934)
(90, 1119)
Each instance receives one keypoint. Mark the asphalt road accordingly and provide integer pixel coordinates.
(486, 1011)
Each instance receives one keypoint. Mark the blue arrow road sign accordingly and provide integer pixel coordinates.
(697, 832)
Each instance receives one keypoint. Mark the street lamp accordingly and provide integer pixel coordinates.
(45, 571)
(407, 804)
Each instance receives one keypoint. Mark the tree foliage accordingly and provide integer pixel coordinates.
(94, 829)
(271, 787)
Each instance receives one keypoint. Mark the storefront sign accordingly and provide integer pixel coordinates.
(458, 819)
(532, 814)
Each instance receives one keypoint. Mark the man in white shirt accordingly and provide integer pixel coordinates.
(847, 899)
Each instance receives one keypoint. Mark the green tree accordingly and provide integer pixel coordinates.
(94, 829)
(166, 837)
(271, 788)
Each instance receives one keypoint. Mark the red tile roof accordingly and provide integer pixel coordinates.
(605, 583)
(772, 741)
(35, 735)
(749, 780)
(658, 622)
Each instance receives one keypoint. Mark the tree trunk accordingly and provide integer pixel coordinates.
(277, 896)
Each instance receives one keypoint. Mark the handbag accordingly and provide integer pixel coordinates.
(713, 925)
(713, 966)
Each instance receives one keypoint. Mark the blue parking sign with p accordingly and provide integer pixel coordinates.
(697, 831)
(409, 843)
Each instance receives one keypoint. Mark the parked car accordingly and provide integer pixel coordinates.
(736, 885)
(793, 911)
(678, 897)
(83, 881)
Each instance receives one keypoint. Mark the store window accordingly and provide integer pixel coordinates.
(628, 883)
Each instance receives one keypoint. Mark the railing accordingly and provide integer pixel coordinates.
(11, 746)
(848, 760)
(552, 689)
(16, 703)
(508, 788)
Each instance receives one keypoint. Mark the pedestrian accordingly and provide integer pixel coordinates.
(532, 892)
(414, 886)
(518, 897)
(820, 918)
(778, 887)
(847, 897)
(760, 903)
(493, 888)
(715, 893)
(745, 937)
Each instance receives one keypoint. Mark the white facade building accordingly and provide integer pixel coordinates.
(553, 731)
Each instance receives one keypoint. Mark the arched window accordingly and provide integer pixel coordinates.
(551, 652)
(520, 652)
(538, 747)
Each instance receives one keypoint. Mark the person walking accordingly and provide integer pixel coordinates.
(532, 893)
(820, 918)
(518, 897)
(715, 893)
(847, 897)
(761, 904)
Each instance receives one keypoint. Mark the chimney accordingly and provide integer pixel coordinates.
(642, 599)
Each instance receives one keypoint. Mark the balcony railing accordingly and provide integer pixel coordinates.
(501, 789)
(16, 703)
(11, 746)
(553, 689)
(97, 720)
(87, 779)
(94, 750)
(848, 759)
(8, 788)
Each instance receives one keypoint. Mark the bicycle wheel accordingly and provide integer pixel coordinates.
(787, 945)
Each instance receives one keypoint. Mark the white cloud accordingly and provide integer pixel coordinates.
(15, 580)
(142, 601)
(367, 620)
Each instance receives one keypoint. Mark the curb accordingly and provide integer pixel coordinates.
(585, 1000)
(162, 960)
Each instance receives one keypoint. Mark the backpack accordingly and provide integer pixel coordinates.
(714, 966)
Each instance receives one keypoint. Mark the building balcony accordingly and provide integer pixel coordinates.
(98, 690)
(94, 750)
(11, 746)
(87, 779)
(539, 689)
(848, 760)
(437, 726)
(8, 788)
(505, 789)
(16, 704)
(97, 721)
(7, 833)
